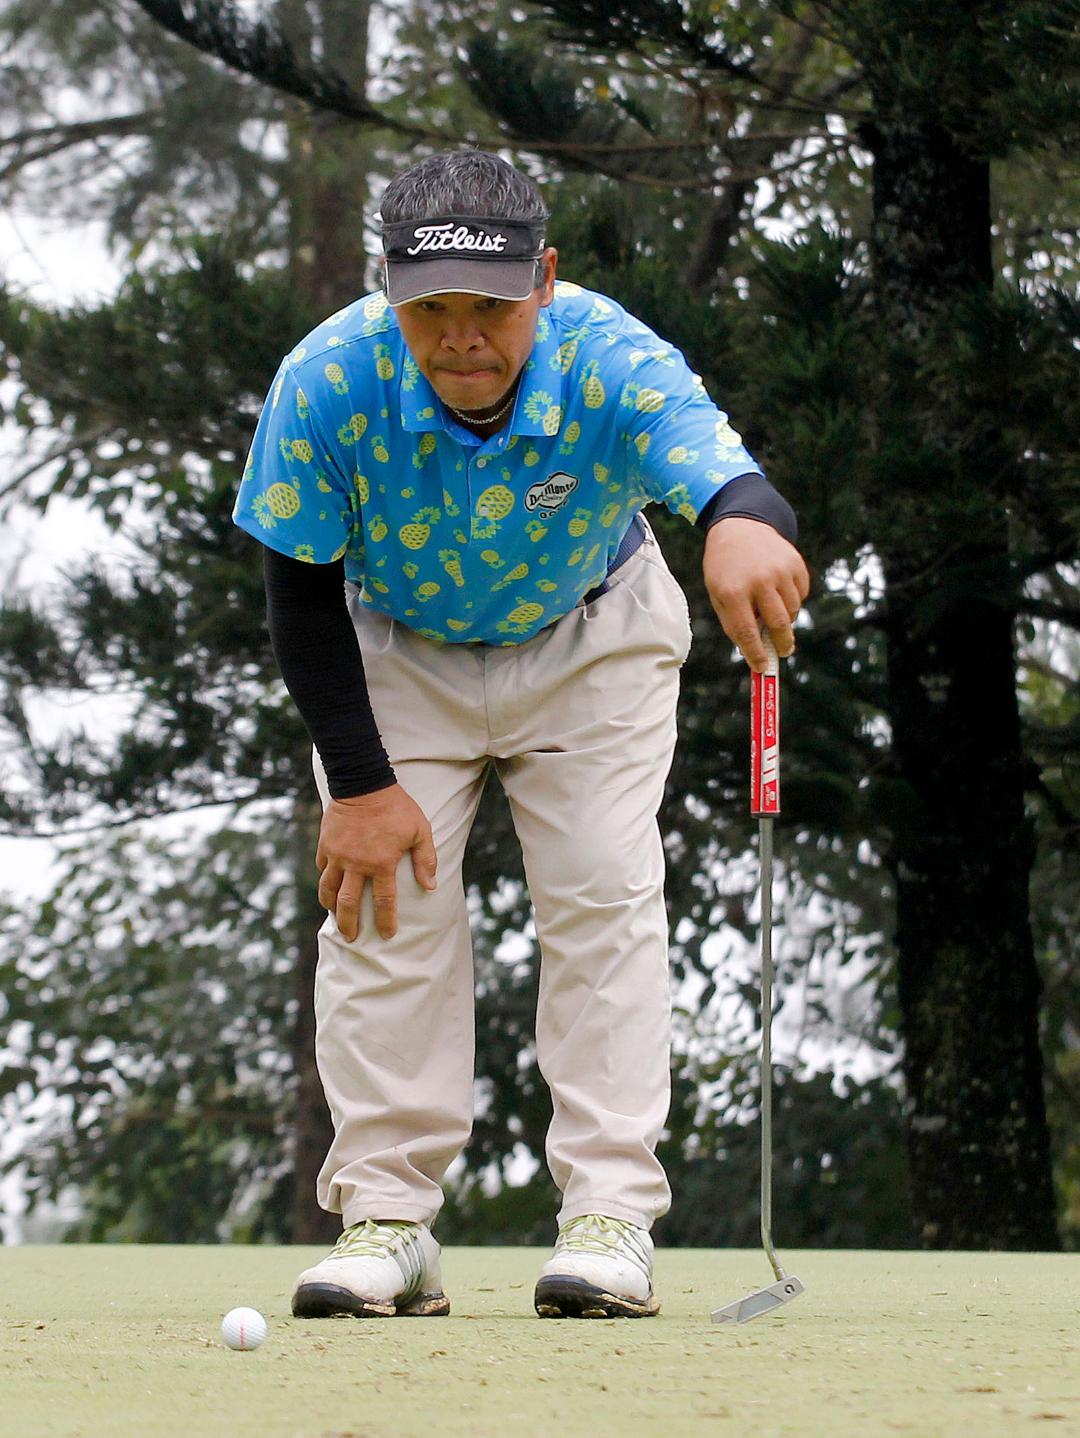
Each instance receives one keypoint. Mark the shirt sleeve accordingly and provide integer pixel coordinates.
(294, 496)
(317, 652)
(682, 448)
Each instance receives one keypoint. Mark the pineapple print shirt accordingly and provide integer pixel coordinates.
(470, 540)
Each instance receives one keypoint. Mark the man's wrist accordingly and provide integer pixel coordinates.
(750, 496)
(738, 514)
(357, 791)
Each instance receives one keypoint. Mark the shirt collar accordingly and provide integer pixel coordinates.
(422, 410)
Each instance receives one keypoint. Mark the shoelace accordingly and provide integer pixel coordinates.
(371, 1239)
(593, 1233)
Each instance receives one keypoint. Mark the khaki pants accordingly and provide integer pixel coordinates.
(580, 724)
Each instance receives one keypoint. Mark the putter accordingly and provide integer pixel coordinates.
(765, 804)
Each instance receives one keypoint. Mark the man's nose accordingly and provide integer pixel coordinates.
(461, 335)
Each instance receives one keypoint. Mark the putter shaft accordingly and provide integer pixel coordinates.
(765, 803)
(765, 841)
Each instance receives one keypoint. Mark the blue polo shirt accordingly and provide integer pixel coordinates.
(470, 540)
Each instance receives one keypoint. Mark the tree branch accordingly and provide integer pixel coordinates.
(706, 267)
(1043, 667)
(51, 139)
(140, 817)
(1063, 815)
(259, 50)
(1028, 566)
(80, 444)
(1043, 609)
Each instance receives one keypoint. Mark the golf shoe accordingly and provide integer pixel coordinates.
(379, 1269)
(601, 1268)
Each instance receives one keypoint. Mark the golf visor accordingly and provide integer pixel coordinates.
(464, 253)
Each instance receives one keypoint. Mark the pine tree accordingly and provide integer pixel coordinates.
(945, 85)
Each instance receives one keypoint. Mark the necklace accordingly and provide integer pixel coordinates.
(467, 418)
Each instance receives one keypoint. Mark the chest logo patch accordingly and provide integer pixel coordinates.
(551, 494)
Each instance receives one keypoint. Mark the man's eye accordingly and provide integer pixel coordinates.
(491, 304)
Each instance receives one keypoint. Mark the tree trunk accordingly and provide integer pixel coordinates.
(968, 986)
(329, 187)
(313, 1129)
(706, 270)
(330, 162)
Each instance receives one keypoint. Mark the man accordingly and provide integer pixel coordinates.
(465, 457)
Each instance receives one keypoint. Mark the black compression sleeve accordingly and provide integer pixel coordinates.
(315, 646)
(751, 496)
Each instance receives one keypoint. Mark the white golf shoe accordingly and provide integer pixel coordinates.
(377, 1270)
(601, 1268)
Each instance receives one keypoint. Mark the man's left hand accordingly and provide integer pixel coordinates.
(756, 580)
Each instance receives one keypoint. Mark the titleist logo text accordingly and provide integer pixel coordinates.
(455, 237)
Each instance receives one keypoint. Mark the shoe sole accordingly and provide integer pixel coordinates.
(327, 1300)
(574, 1298)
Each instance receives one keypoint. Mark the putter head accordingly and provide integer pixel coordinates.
(763, 1301)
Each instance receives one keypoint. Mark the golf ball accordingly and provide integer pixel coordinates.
(243, 1328)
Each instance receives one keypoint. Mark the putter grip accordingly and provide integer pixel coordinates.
(765, 736)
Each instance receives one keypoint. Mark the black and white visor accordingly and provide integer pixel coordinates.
(462, 253)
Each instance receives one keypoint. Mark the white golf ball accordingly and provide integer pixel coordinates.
(243, 1328)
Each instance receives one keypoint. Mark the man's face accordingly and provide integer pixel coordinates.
(472, 348)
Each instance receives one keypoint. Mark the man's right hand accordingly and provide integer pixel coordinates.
(363, 839)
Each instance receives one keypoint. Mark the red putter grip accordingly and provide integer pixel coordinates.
(765, 737)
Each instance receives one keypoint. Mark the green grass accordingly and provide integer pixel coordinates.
(119, 1341)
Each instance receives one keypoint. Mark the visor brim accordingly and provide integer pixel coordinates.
(495, 279)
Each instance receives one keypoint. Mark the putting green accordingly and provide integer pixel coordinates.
(119, 1341)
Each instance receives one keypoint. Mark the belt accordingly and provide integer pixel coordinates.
(630, 544)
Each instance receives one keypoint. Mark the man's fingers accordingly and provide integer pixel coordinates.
(783, 638)
(347, 908)
(790, 595)
(742, 627)
(340, 894)
(803, 581)
(329, 884)
(362, 841)
(343, 895)
(776, 617)
(774, 611)
(757, 580)
(385, 899)
(425, 862)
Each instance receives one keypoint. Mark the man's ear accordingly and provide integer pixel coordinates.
(546, 267)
